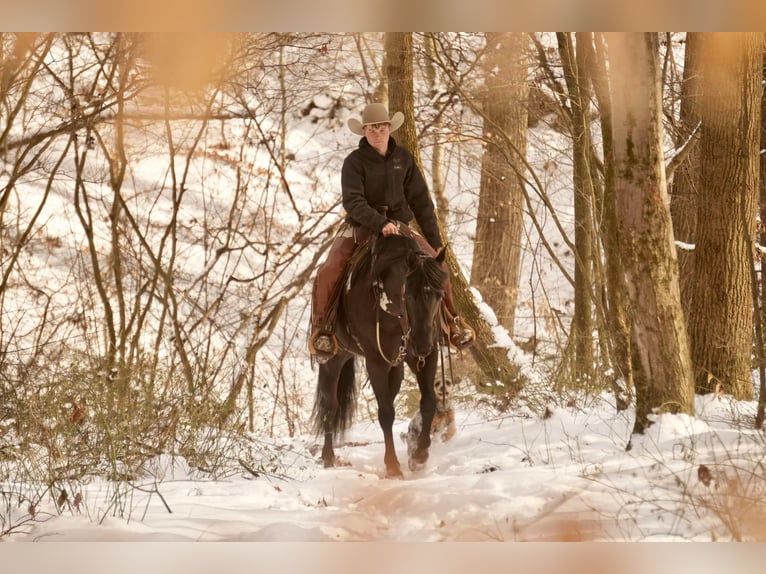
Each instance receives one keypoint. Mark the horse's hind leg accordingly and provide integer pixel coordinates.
(326, 408)
(327, 416)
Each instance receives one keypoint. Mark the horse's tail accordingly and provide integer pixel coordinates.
(347, 390)
(346, 396)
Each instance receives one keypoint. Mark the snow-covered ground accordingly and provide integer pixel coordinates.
(500, 478)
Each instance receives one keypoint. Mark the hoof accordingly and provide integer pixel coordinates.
(335, 462)
(395, 472)
(417, 461)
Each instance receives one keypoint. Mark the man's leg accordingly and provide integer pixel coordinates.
(322, 342)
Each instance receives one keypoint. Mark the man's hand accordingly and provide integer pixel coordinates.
(390, 228)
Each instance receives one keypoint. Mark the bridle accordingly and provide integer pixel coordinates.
(404, 320)
(404, 323)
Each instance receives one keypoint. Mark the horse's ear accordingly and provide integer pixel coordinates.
(441, 254)
(413, 257)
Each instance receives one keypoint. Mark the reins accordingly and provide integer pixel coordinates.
(451, 374)
(403, 317)
(404, 323)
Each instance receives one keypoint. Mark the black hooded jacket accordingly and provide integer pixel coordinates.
(370, 181)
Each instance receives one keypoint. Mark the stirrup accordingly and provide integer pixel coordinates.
(322, 346)
(461, 336)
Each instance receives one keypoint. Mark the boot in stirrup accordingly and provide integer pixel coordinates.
(461, 336)
(322, 345)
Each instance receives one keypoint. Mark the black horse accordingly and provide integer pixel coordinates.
(388, 313)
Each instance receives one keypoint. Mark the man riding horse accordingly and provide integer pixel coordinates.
(382, 187)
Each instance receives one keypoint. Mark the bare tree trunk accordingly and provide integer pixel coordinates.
(579, 88)
(644, 229)
(721, 312)
(499, 222)
(684, 191)
(617, 305)
(760, 316)
(401, 89)
(492, 361)
(437, 153)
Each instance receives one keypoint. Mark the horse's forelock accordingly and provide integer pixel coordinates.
(427, 273)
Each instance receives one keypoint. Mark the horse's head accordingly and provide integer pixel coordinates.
(411, 287)
(424, 292)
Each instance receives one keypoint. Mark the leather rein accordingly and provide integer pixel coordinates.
(404, 323)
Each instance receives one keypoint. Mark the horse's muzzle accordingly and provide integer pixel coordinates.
(421, 355)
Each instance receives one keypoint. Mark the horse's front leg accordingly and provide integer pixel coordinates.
(386, 382)
(425, 375)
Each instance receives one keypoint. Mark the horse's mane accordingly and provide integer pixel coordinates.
(428, 273)
(389, 250)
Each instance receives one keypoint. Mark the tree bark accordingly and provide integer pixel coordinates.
(685, 185)
(644, 229)
(760, 315)
(721, 310)
(499, 222)
(492, 361)
(401, 88)
(437, 151)
(617, 321)
(579, 88)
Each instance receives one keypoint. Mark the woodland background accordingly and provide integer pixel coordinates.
(166, 199)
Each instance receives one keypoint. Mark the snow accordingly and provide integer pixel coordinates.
(510, 477)
(507, 479)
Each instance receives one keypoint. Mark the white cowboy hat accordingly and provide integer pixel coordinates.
(375, 114)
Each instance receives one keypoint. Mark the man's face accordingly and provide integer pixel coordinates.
(377, 135)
